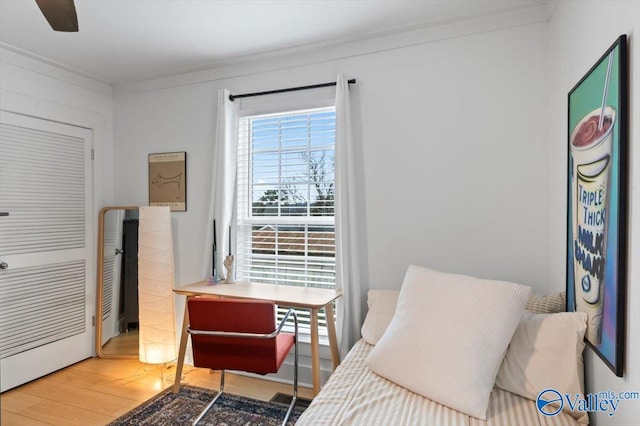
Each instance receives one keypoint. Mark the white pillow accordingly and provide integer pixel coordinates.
(382, 305)
(546, 353)
(448, 336)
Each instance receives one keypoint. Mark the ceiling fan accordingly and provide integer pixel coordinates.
(61, 14)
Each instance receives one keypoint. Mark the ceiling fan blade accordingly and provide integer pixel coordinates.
(61, 14)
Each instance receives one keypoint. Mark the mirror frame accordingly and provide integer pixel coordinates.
(100, 283)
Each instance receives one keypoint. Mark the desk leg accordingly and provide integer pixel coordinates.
(183, 347)
(315, 352)
(333, 340)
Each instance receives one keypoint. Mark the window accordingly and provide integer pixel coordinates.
(285, 201)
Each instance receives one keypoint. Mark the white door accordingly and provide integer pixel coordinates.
(46, 284)
(112, 284)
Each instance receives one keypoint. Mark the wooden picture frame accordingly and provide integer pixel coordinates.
(597, 203)
(168, 180)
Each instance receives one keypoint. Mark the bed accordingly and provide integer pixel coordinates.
(355, 395)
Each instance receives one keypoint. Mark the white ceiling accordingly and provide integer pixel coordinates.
(128, 40)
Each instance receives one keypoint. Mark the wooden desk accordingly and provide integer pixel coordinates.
(313, 299)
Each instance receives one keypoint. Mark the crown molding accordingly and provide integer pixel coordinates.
(29, 61)
(317, 53)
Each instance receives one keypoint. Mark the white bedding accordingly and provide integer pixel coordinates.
(354, 395)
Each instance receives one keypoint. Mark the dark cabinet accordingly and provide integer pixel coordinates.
(130, 273)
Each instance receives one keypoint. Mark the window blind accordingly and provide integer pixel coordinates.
(285, 201)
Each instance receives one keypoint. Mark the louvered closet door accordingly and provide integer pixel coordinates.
(46, 294)
(112, 262)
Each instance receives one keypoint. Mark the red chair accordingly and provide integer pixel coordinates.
(240, 334)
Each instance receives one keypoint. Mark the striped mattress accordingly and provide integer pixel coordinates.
(354, 395)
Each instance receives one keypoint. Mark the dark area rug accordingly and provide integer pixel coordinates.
(167, 409)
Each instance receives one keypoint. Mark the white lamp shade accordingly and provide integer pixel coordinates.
(156, 277)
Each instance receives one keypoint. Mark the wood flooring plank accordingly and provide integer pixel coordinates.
(139, 392)
(16, 401)
(126, 343)
(139, 386)
(83, 398)
(8, 418)
(116, 368)
(80, 378)
(57, 413)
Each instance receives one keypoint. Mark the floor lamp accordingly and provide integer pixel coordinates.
(156, 279)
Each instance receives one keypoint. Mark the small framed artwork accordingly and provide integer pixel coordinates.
(597, 203)
(168, 180)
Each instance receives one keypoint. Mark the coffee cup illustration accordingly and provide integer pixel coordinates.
(591, 151)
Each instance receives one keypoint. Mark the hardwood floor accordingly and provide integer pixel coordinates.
(125, 343)
(97, 391)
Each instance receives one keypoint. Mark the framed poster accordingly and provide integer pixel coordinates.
(597, 203)
(168, 180)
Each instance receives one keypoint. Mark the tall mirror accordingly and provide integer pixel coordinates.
(117, 278)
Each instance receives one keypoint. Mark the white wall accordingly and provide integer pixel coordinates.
(580, 33)
(451, 180)
(456, 173)
(456, 169)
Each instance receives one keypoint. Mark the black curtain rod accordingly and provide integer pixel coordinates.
(290, 89)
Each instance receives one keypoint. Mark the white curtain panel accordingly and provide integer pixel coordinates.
(156, 278)
(347, 257)
(223, 181)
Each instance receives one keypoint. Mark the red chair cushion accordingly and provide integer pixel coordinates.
(254, 355)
